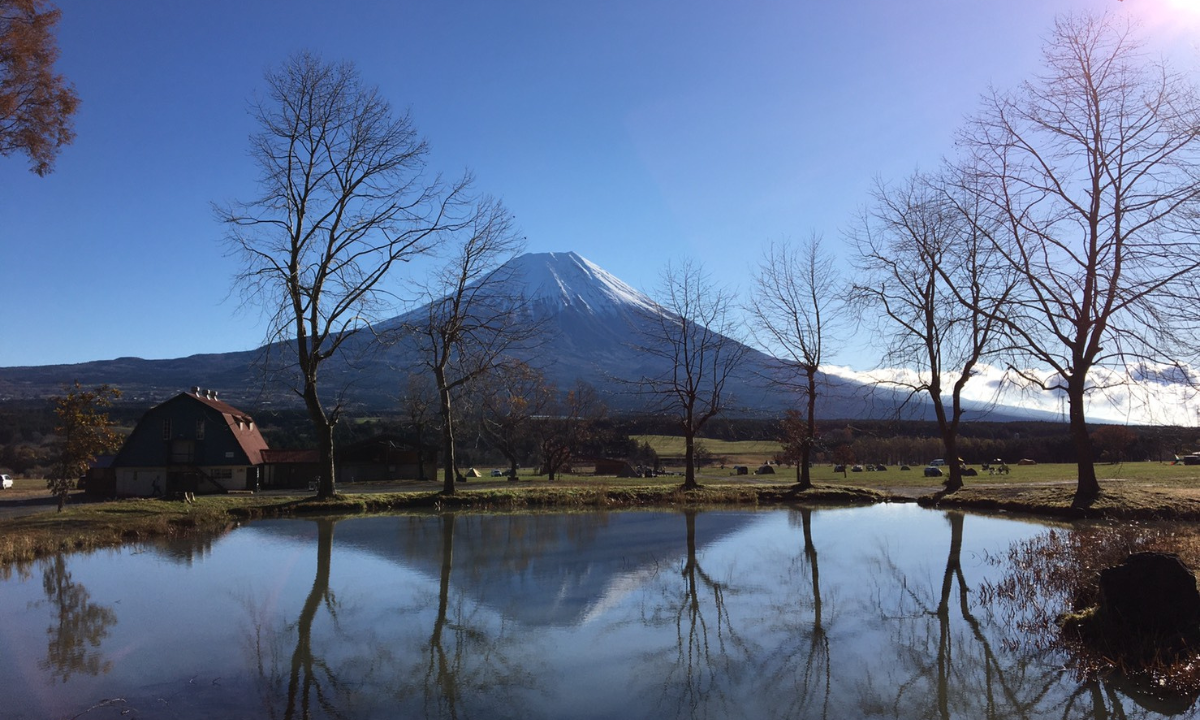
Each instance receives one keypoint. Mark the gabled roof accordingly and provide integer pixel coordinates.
(240, 424)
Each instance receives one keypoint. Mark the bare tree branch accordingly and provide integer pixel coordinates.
(344, 199)
(693, 336)
(1090, 178)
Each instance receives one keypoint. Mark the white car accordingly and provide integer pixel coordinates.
(5, 482)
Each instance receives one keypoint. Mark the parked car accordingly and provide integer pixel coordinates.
(497, 473)
(933, 471)
(6, 482)
(937, 463)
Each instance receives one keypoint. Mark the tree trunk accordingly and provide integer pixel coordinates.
(1088, 487)
(949, 432)
(689, 460)
(950, 442)
(324, 431)
(448, 476)
(420, 427)
(803, 477)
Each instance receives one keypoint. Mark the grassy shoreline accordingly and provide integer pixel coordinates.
(109, 524)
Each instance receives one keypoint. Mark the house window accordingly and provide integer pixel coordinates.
(222, 473)
(199, 429)
(166, 429)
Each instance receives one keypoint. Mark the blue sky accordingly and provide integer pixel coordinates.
(633, 133)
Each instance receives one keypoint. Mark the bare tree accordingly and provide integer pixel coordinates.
(793, 309)
(344, 200)
(927, 271)
(36, 105)
(1092, 173)
(474, 316)
(417, 402)
(693, 338)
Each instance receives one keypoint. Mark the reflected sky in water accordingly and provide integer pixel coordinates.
(865, 612)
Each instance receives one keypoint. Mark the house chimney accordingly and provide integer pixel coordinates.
(213, 394)
(196, 391)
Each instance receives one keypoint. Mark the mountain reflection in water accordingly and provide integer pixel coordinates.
(692, 614)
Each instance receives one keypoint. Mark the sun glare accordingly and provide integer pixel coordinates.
(1177, 15)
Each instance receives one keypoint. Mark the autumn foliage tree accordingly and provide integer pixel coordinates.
(36, 104)
(512, 397)
(1112, 442)
(798, 438)
(84, 432)
(572, 424)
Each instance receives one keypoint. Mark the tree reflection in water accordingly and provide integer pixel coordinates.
(79, 626)
(464, 666)
(797, 672)
(728, 631)
(945, 669)
(441, 677)
(708, 661)
(310, 675)
(306, 676)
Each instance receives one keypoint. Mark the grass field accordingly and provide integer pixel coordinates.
(736, 452)
(757, 452)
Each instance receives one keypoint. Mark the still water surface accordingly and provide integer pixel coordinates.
(866, 612)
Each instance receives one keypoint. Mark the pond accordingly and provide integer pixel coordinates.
(831, 613)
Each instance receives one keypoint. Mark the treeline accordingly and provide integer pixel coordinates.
(914, 441)
(27, 431)
(917, 443)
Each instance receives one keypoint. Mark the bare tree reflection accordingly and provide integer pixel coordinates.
(709, 653)
(441, 677)
(303, 677)
(79, 626)
(946, 669)
(311, 677)
(798, 671)
(473, 664)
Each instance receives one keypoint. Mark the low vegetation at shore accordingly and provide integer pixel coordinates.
(106, 524)
(1053, 581)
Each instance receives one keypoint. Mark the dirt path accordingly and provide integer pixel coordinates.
(19, 504)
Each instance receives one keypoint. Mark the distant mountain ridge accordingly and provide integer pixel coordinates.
(594, 322)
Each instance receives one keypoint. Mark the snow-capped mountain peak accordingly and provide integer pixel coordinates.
(570, 280)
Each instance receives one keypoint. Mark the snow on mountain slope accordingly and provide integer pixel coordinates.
(569, 280)
(597, 328)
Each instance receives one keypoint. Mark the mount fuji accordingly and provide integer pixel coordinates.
(593, 324)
